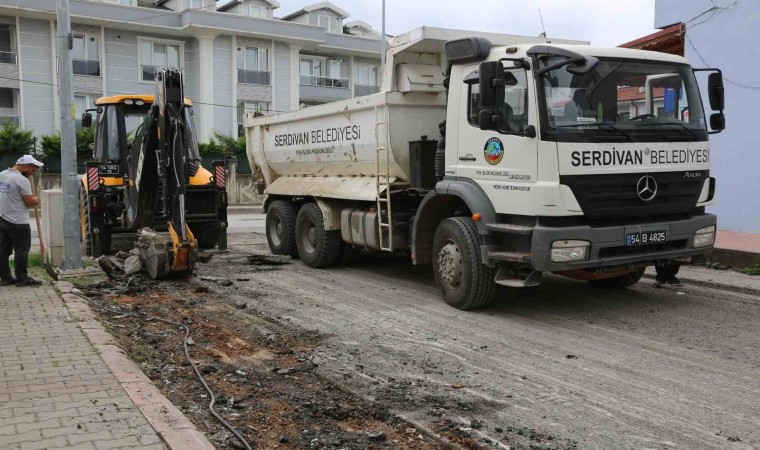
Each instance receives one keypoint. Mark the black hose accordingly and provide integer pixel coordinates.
(187, 354)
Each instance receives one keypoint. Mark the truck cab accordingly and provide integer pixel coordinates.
(591, 158)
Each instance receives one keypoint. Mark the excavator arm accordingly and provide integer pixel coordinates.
(176, 254)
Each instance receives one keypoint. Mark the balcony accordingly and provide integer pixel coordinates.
(8, 58)
(254, 77)
(12, 119)
(86, 67)
(366, 89)
(311, 80)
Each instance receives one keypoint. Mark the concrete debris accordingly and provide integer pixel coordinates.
(190, 341)
(132, 265)
(241, 304)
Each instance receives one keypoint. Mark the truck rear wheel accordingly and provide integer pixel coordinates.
(465, 282)
(620, 282)
(316, 247)
(281, 228)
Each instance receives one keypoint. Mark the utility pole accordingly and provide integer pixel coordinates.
(383, 47)
(72, 257)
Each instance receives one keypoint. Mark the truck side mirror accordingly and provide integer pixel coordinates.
(491, 95)
(718, 122)
(86, 120)
(715, 91)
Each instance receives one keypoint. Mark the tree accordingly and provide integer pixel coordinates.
(14, 139)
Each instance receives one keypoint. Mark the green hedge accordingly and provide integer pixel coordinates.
(85, 139)
(15, 140)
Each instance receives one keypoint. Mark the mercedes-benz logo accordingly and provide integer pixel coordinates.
(646, 188)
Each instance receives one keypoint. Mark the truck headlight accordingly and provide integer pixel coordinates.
(568, 251)
(704, 237)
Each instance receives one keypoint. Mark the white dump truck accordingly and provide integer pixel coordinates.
(497, 160)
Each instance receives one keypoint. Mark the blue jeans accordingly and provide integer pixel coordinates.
(16, 239)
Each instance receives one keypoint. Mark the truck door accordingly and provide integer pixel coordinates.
(503, 163)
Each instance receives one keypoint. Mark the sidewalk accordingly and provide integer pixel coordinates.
(720, 279)
(60, 390)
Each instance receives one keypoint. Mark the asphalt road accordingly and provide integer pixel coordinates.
(637, 368)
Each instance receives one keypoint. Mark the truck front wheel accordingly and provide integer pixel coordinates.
(281, 228)
(465, 282)
(317, 247)
(620, 282)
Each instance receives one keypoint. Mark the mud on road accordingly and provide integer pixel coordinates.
(261, 372)
(559, 366)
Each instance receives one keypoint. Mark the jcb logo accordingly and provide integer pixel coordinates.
(692, 174)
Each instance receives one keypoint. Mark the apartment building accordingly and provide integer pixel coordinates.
(236, 54)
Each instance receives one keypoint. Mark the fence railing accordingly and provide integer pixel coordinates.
(311, 80)
(261, 77)
(86, 67)
(365, 89)
(12, 119)
(8, 58)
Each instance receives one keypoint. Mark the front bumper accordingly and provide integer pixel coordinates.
(608, 247)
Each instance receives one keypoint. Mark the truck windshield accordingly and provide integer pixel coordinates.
(622, 100)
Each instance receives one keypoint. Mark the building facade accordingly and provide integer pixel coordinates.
(236, 56)
(724, 34)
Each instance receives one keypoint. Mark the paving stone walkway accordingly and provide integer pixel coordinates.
(55, 390)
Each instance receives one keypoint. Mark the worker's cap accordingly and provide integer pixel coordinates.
(29, 159)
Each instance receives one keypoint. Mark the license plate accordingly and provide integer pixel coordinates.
(646, 238)
(108, 169)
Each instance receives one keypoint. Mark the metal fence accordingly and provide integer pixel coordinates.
(311, 80)
(8, 58)
(86, 67)
(254, 77)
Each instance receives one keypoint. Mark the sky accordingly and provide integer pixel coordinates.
(603, 22)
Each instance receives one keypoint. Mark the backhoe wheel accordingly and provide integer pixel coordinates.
(465, 282)
(620, 282)
(205, 233)
(316, 247)
(281, 228)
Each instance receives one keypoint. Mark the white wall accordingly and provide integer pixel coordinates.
(727, 38)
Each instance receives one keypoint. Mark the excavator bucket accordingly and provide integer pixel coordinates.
(166, 256)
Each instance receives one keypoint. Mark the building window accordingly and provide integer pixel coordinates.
(85, 56)
(244, 107)
(194, 4)
(257, 11)
(253, 65)
(7, 44)
(81, 104)
(332, 24)
(366, 79)
(323, 72)
(154, 54)
(6, 98)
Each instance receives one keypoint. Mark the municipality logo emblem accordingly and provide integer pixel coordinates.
(494, 151)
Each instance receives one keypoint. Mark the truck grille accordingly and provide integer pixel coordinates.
(615, 195)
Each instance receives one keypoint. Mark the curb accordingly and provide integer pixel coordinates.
(713, 284)
(176, 430)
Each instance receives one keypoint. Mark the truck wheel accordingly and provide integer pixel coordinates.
(465, 282)
(281, 228)
(620, 282)
(316, 247)
(206, 233)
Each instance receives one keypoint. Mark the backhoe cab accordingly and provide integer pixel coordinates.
(147, 173)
